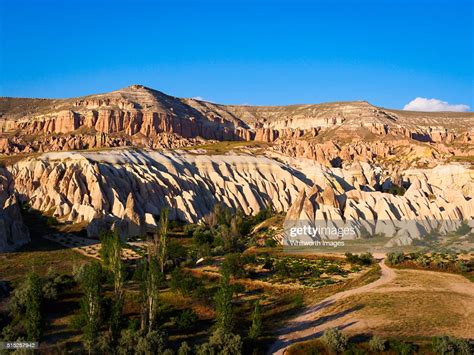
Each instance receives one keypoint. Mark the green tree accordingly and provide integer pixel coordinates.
(34, 299)
(445, 345)
(335, 340)
(395, 257)
(223, 304)
(150, 291)
(377, 344)
(91, 284)
(111, 253)
(161, 238)
(184, 349)
(221, 342)
(152, 343)
(256, 327)
(234, 265)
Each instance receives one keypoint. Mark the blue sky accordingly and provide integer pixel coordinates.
(255, 52)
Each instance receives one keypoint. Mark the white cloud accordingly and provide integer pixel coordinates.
(433, 105)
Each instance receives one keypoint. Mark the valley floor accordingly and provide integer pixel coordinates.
(401, 303)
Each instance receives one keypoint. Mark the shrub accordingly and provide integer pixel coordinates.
(335, 340)
(234, 265)
(222, 342)
(463, 228)
(187, 319)
(377, 344)
(176, 252)
(270, 243)
(263, 214)
(362, 259)
(396, 257)
(445, 345)
(184, 349)
(462, 266)
(184, 283)
(128, 342)
(334, 269)
(256, 327)
(402, 348)
(366, 258)
(282, 268)
(189, 229)
(397, 190)
(26, 303)
(152, 343)
(202, 236)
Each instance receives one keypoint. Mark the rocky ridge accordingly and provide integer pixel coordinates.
(320, 163)
(126, 189)
(135, 114)
(437, 199)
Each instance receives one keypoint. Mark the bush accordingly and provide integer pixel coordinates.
(445, 345)
(362, 259)
(282, 268)
(184, 349)
(402, 348)
(127, 342)
(202, 236)
(187, 319)
(153, 343)
(397, 190)
(234, 265)
(184, 283)
(335, 340)
(256, 327)
(463, 228)
(396, 257)
(334, 269)
(221, 342)
(176, 252)
(189, 229)
(377, 344)
(270, 243)
(263, 214)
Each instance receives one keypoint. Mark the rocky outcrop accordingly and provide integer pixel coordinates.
(13, 232)
(126, 189)
(140, 111)
(436, 200)
(67, 142)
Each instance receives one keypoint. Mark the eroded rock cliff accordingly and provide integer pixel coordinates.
(13, 232)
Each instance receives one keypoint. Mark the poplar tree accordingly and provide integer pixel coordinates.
(34, 299)
(91, 285)
(256, 327)
(111, 253)
(224, 307)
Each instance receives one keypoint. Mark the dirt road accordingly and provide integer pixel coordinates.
(309, 325)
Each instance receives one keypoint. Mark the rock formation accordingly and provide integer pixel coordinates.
(325, 162)
(132, 186)
(13, 232)
(438, 199)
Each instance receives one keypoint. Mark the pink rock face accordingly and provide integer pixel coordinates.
(66, 121)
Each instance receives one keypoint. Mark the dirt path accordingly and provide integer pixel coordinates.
(309, 325)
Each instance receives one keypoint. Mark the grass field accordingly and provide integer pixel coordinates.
(416, 303)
